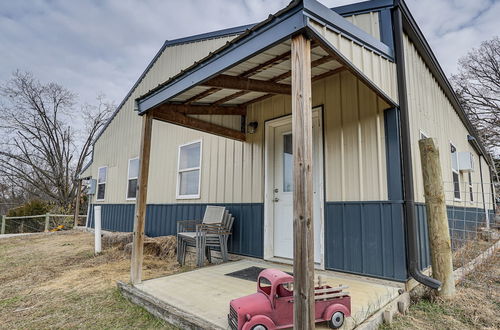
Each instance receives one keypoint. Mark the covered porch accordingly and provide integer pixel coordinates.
(284, 55)
(200, 298)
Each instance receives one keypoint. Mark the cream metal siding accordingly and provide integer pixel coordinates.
(432, 113)
(368, 22)
(378, 69)
(120, 141)
(233, 172)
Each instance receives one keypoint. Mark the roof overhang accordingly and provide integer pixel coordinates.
(305, 16)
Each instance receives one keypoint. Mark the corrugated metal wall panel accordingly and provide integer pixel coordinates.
(233, 171)
(366, 238)
(161, 220)
(368, 22)
(432, 113)
(378, 69)
(120, 141)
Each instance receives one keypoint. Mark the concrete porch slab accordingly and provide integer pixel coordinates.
(200, 298)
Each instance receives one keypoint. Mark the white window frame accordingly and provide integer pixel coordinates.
(97, 185)
(459, 199)
(470, 185)
(179, 171)
(128, 180)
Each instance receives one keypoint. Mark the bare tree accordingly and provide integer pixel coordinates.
(478, 87)
(41, 150)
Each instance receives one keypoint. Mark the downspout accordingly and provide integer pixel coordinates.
(409, 202)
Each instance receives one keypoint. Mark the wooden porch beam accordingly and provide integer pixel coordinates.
(303, 224)
(140, 204)
(197, 124)
(315, 63)
(247, 84)
(189, 109)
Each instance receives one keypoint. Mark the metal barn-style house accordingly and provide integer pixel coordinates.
(218, 119)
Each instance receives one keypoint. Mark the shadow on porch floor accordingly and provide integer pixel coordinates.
(201, 297)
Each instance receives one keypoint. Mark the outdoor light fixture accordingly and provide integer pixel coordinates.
(252, 127)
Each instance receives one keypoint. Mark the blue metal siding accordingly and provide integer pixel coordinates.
(463, 223)
(161, 220)
(393, 154)
(366, 238)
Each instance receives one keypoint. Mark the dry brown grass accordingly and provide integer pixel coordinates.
(476, 305)
(55, 281)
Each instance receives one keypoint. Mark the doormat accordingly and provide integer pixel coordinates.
(249, 274)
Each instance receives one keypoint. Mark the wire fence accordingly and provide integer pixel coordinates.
(37, 223)
(474, 230)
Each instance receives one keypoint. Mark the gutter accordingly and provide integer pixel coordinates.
(409, 200)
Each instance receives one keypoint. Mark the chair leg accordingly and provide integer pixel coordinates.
(208, 253)
(179, 244)
(223, 249)
(183, 252)
(200, 255)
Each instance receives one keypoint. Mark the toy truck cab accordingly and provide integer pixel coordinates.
(271, 307)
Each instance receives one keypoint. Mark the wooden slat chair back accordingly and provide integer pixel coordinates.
(212, 231)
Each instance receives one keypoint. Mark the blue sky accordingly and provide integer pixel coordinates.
(97, 46)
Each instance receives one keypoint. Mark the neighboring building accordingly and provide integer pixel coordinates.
(359, 89)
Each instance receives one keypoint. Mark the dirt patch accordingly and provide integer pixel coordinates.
(54, 280)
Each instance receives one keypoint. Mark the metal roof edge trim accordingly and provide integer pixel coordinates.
(223, 59)
(340, 24)
(363, 7)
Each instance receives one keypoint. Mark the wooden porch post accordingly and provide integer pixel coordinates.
(140, 205)
(303, 225)
(77, 203)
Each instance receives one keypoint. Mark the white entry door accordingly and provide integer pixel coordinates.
(281, 184)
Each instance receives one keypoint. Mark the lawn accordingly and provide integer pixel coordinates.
(55, 281)
(476, 305)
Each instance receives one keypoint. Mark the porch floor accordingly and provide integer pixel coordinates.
(204, 294)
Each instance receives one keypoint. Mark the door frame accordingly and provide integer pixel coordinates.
(269, 185)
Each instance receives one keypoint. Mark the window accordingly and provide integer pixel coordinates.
(102, 174)
(133, 174)
(454, 169)
(189, 165)
(471, 190)
(287, 163)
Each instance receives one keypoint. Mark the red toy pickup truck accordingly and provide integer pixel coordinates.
(272, 306)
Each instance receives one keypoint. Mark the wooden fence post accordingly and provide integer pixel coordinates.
(47, 222)
(77, 203)
(437, 218)
(303, 224)
(3, 225)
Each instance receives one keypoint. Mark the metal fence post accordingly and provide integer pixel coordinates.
(3, 225)
(47, 222)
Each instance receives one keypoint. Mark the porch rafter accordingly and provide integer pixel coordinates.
(181, 119)
(201, 109)
(247, 84)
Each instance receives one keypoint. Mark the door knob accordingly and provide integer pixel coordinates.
(276, 190)
(276, 199)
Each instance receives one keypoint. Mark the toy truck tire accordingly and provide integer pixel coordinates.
(259, 321)
(331, 314)
(337, 320)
